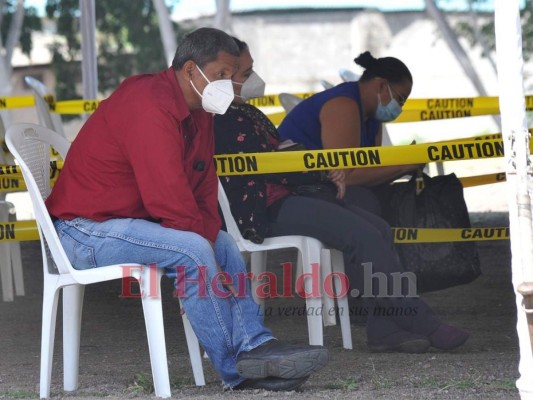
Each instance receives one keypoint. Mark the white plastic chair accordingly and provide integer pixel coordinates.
(30, 144)
(10, 258)
(326, 85)
(289, 101)
(311, 251)
(46, 118)
(348, 75)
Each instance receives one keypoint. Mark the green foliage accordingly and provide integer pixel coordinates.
(128, 42)
(142, 385)
(487, 31)
(32, 22)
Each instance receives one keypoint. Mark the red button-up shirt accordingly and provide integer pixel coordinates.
(143, 154)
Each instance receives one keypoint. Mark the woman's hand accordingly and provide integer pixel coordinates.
(337, 176)
(415, 168)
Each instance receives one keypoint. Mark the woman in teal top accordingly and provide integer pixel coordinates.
(351, 115)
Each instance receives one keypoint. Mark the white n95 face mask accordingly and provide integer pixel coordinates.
(217, 95)
(252, 87)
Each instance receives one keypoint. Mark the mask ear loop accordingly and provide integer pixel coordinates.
(192, 83)
(205, 77)
(390, 91)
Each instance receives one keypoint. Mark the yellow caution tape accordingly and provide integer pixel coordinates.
(27, 230)
(471, 181)
(76, 106)
(16, 102)
(413, 110)
(435, 235)
(439, 108)
(272, 100)
(276, 118)
(13, 185)
(432, 115)
(13, 171)
(18, 231)
(314, 160)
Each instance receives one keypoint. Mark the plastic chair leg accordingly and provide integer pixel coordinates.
(155, 331)
(72, 311)
(258, 266)
(194, 351)
(341, 292)
(313, 301)
(299, 271)
(16, 259)
(16, 263)
(328, 302)
(50, 300)
(6, 272)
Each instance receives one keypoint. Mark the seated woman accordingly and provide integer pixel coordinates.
(265, 206)
(351, 115)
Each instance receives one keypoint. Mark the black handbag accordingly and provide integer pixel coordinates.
(439, 204)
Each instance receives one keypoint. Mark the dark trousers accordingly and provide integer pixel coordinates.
(364, 238)
(373, 199)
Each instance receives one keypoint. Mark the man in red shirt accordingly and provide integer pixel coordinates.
(139, 186)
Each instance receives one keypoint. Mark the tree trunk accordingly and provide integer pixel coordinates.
(168, 36)
(223, 16)
(455, 46)
(13, 35)
(6, 69)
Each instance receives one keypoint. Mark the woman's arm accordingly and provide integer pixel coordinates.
(340, 121)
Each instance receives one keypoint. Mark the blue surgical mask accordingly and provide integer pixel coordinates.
(390, 111)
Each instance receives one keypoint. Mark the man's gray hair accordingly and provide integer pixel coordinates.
(202, 46)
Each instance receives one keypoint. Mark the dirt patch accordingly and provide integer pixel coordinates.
(114, 360)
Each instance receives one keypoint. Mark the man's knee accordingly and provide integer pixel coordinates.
(226, 242)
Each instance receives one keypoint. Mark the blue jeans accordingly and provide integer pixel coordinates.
(224, 325)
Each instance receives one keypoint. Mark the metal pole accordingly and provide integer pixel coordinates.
(516, 143)
(89, 68)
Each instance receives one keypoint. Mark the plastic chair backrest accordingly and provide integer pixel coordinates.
(30, 145)
(5, 155)
(326, 85)
(46, 118)
(348, 75)
(289, 101)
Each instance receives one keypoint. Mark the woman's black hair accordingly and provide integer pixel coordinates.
(242, 45)
(389, 68)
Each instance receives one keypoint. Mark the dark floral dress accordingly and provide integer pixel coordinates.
(245, 129)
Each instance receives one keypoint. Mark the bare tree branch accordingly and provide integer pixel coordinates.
(478, 37)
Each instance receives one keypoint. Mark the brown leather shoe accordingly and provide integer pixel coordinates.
(272, 384)
(281, 360)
